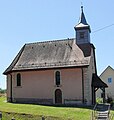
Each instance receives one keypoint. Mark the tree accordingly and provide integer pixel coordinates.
(2, 91)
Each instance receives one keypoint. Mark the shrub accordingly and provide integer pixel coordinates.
(110, 100)
(99, 100)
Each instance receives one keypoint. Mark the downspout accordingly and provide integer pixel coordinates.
(11, 88)
(95, 60)
(82, 86)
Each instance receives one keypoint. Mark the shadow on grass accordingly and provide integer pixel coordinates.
(61, 106)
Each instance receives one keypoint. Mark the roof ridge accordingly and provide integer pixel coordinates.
(51, 41)
(106, 70)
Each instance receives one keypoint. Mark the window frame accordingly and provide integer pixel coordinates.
(18, 80)
(82, 35)
(109, 80)
(57, 82)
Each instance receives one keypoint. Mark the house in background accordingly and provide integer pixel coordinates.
(56, 72)
(108, 77)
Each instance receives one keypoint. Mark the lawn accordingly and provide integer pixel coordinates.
(55, 113)
(50, 112)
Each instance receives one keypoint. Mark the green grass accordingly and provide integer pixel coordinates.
(50, 112)
(57, 113)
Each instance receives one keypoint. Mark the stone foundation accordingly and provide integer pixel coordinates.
(31, 100)
(72, 102)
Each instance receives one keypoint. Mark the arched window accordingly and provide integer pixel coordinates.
(18, 79)
(57, 77)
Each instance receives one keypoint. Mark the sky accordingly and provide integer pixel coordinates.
(28, 21)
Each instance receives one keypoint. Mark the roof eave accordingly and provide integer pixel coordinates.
(78, 27)
(10, 68)
(30, 69)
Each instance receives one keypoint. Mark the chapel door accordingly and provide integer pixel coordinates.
(58, 96)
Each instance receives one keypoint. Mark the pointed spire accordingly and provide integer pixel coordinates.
(82, 17)
(82, 21)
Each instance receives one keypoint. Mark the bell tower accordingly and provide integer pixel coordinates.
(82, 30)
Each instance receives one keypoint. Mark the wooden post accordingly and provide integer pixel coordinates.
(0, 116)
(104, 95)
(43, 118)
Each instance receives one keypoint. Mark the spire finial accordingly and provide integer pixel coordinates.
(82, 17)
(81, 7)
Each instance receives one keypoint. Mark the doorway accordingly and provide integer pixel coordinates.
(58, 96)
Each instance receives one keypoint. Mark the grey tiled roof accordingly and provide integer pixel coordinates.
(50, 54)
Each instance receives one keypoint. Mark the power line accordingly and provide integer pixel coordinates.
(103, 28)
